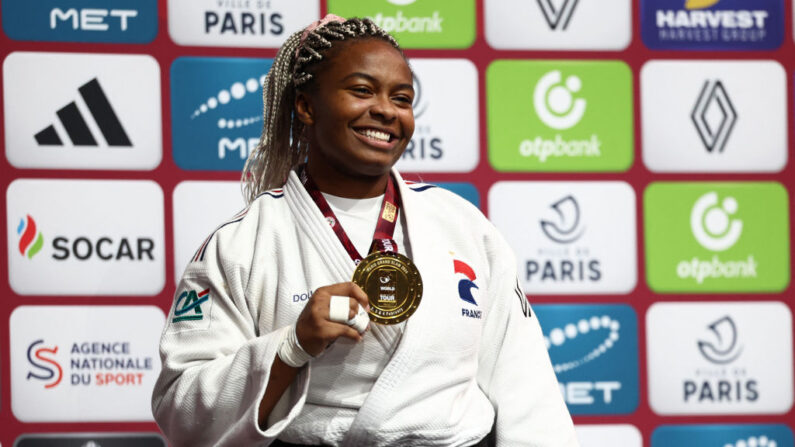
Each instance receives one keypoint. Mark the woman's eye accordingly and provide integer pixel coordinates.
(362, 90)
(404, 99)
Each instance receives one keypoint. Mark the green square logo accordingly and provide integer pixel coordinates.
(416, 23)
(556, 116)
(717, 237)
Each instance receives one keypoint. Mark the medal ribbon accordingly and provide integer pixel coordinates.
(384, 228)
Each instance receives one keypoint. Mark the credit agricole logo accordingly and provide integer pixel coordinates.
(717, 237)
(416, 23)
(559, 116)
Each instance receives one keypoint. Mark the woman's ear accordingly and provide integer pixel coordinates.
(303, 108)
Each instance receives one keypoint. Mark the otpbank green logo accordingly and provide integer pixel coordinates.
(417, 23)
(717, 237)
(559, 115)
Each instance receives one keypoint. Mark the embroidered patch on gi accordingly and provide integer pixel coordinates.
(188, 305)
(465, 287)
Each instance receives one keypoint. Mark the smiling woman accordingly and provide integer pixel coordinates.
(414, 330)
(358, 117)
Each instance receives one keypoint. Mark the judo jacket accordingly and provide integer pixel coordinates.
(470, 359)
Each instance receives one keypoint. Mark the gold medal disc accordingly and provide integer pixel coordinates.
(393, 286)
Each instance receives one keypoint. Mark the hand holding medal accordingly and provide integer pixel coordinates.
(391, 280)
(332, 312)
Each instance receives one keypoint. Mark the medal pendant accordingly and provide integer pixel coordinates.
(393, 286)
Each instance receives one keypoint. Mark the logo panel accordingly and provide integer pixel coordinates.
(82, 111)
(446, 137)
(712, 24)
(714, 116)
(564, 239)
(216, 111)
(561, 116)
(608, 435)
(249, 23)
(734, 435)
(416, 24)
(717, 237)
(558, 24)
(200, 207)
(123, 21)
(91, 440)
(594, 351)
(731, 358)
(59, 362)
(85, 237)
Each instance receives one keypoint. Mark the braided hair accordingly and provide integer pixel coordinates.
(282, 145)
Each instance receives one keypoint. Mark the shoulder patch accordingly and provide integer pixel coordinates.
(188, 305)
(191, 310)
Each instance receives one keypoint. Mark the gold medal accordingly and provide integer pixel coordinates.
(392, 284)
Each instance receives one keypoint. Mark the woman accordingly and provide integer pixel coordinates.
(249, 360)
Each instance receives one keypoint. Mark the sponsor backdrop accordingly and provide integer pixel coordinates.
(634, 153)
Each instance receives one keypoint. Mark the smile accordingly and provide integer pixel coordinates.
(375, 135)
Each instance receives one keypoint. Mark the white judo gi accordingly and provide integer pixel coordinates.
(464, 363)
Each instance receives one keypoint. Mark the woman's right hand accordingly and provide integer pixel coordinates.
(314, 329)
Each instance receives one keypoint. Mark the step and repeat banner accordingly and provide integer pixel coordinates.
(634, 153)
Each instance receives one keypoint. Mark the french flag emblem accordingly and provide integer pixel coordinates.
(465, 286)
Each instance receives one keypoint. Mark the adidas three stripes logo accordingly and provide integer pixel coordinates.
(75, 124)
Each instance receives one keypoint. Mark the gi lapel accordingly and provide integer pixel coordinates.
(314, 225)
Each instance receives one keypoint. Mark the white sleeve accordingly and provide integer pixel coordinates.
(215, 365)
(514, 369)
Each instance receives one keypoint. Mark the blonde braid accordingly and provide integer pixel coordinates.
(282, 145)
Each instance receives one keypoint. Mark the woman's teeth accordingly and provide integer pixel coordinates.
(375, 134)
